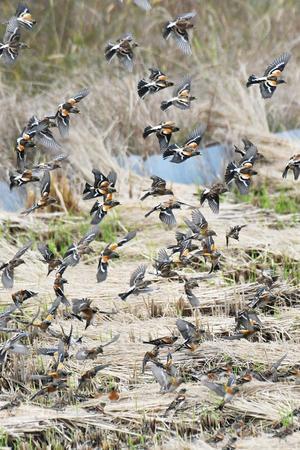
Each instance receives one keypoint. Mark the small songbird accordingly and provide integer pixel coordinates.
(199, 226)
(166, 211)
(226, 391)
(234, 233)
(13, 345)
(64, 111)
(9, 48)
(177, 29)
(158, 187)
(109, 253)
(102, 187)
(45, 199)
(242, 171)
(212, 195)
(26, 140)
(157, 81)
(247, 145)
(190, 148)
(49, 257)
(9, 267)
(53, 164)
(54, 386)
(92, 353)
(137, 283)
(294, 166)
(123, 50)
(58, 288)
(165, 341)
(163, 265)
(73, 254)
(99, 210)
(22, 295)
(267, 277)
(191, 334)
(247, 323)
(82, 310)
(43, 135)
(167, 377)
(22, 177)
(182, 97)
(89, 374)
(272, 76)
(189, 285)
(263, 297)
(181, 242)
(163, 133)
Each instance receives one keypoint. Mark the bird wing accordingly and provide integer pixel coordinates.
(196, 135)
(22, 250)
(46, 183)
(167, 217)
(45, 252)
(186, 329)
(138, 275)
(277, 66)
(127, 238)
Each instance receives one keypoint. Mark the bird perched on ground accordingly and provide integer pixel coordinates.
(137, 283)
(109, 253)
(102, 187)
(242, 171)
(247, 323)
(234, 233)
(157, 81)
(9, 48)
(45, 199)
(22, 177)
(191, 334)
(226, 391)
(294, 166)
(212, 195)
(89, 374)
(123, 50)
(177, 29)
(73, 254)
(190, 148)
(163, 133)
(64, 111)
(163, 265)
(92, 353)
(263, 297)
(166, 211)
(158, 187)
(22, 17)
(267, 277)
(54, 386)
(144, 4)
(272, 76)
(165, 341)
(82, 310)
(9, 267)
(21, 296)
(182, 97)
(53, 164)
(49, 257)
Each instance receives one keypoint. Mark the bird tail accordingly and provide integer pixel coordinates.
(145, 196)
(285, 172)
(165, 105)
(229, 174)
(168, 152)
(143, 88)
(110, 52)
(147, 131)
(124, 295)
(87, 188)
(29, 210)
(251, 80)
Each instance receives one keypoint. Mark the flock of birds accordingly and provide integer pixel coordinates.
(193, 247)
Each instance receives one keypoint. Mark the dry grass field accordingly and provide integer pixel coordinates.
(122, 407)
